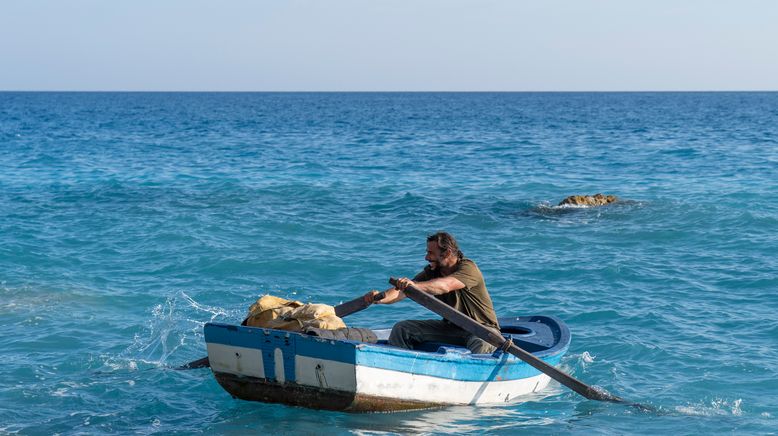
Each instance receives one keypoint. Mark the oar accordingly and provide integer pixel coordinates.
(341, 310)
(494, 337)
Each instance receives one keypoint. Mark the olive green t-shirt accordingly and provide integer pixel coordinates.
(473, 300)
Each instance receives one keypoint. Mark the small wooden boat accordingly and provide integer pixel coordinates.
(277, 366)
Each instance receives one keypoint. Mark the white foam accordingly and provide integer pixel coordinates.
(571, 206)
(717, 407)
(61, 392)
(571, 361)
(736, 410)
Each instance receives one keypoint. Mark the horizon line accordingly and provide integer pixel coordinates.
(387, 92)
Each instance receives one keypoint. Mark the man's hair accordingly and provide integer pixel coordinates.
(446, 243)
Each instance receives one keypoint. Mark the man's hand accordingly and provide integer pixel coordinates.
(438, 286)
(370, 297)
(388, 296)
(404, 282)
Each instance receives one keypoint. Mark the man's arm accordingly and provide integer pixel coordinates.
(438, 286)
(391, 295)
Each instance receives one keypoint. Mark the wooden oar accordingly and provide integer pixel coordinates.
(495, 338)
(341, 311)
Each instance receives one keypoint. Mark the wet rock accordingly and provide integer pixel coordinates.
(588, 200)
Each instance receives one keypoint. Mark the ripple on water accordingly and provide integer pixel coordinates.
(127, 221)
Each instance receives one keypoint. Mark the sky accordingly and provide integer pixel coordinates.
(383, 45)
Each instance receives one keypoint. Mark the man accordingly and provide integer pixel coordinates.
(456, 281)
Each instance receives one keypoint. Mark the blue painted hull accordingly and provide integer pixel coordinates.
(292, 368)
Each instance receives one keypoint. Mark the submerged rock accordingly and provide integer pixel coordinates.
(588, 200)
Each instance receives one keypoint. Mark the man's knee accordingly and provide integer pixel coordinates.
(403, 328)
(477, 345)
(404, 325)
(401, 334)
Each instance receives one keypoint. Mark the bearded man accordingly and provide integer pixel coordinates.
(454, 280)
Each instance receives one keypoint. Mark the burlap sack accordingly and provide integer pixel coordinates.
(278, 313)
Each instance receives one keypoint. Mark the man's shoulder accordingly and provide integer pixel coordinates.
(467, 263)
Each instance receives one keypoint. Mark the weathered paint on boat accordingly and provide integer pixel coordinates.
(292, 368)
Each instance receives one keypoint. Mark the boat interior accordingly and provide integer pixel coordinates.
(535, 334)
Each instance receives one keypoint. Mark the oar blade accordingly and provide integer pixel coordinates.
(195, 364)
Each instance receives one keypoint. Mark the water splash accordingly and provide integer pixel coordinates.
(716, 407)
(586, 358)
(582, 214)
(571, 362)
(173, 325)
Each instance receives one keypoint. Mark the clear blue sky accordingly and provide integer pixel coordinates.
(381, 45)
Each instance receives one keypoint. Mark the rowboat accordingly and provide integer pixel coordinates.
(276, 366)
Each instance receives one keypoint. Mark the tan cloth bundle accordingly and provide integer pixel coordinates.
(277, 313)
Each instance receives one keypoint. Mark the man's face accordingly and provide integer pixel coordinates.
(435, 257)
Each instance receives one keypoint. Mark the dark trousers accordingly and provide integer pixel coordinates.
(408, 334)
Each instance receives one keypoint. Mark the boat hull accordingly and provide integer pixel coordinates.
(291, 368)
(294, 394)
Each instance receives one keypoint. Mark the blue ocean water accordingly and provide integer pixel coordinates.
(128, 220)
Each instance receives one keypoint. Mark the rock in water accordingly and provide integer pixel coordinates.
(588, 200)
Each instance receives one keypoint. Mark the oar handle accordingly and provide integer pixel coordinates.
(356, 305)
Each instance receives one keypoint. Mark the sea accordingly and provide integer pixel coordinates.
(129, 220)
